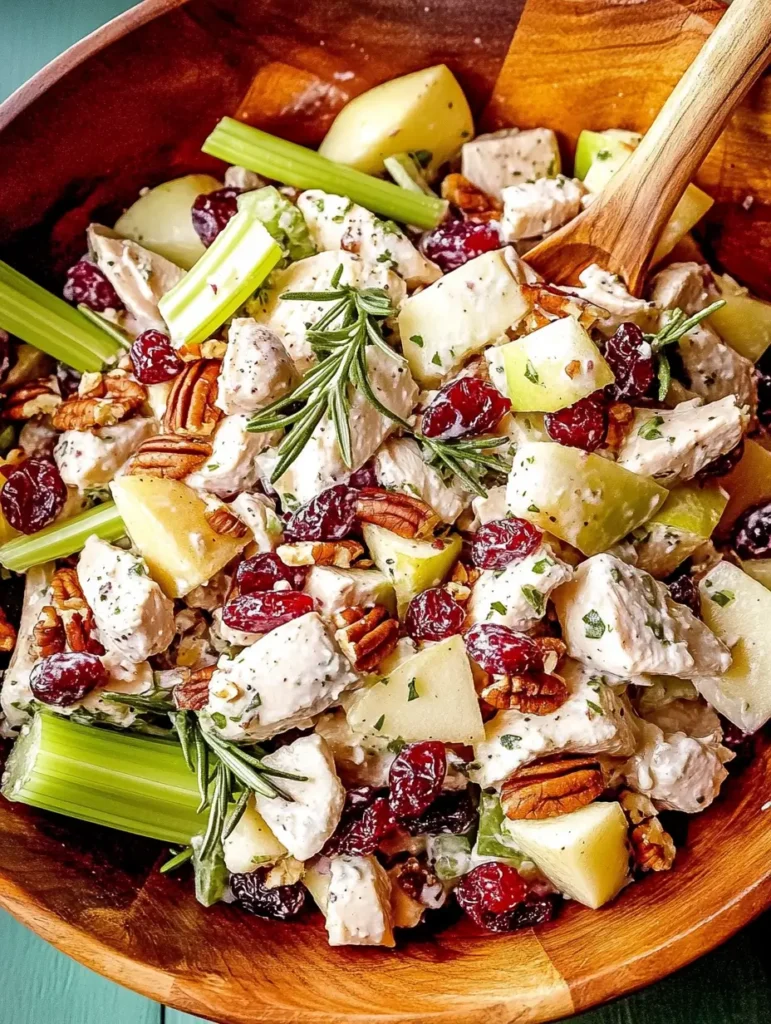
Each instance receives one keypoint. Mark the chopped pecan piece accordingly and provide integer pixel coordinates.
(620, 417)
(400, 513)
(225, 523)
(547, 788)
(101, 401)
(368, 638)
(548, 303)
(192, 694)
(48, 634)
(37, 397)
(475, 204)
(534, 693)
(652, 845)
(7, 634)
(190, 408)
(339, 553)
(173, 456)
(74, 612)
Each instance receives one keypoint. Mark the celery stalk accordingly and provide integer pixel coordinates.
(407, 173)
(134, 783)
(238, 143)
(62, 539)
(50, 324)
(230, 270)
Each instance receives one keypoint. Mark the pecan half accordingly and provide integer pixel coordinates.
(367, 638)
(74, 612)
(340, 553)
(652, 846)
(7, 634)
(192, 694)
(400, 513)
(475, 204)
(224, 522)
(534, 693)
(620, 417)
(37, 397)
(190, 408)
(103, 399)
(48, 634)
(547, 788)
(173, 456)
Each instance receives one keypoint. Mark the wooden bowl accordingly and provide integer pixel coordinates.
(128, 107)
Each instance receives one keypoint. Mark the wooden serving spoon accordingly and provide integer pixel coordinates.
(621, 228)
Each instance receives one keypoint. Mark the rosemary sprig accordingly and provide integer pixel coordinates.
(158, 701)
(469, 459)
(673, 330)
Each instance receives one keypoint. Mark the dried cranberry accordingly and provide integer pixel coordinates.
(465, 406)
(154, 359)
(364, 477)
(724, 463)
(630, 357)
(752, 533)
(457, 241)
(452, 813)
(34, 494)
(433, 615)
(503, 541)
(741, 743)
(87, 284)
(685, 590)
(259, 613)
(279, 903)
(490, 890)
(68, 379)
(502, 651)
(212, 211)
(416, 778)
(263, 572)
(329, 516)
(64, 679)
(362, 826)
(582, 425)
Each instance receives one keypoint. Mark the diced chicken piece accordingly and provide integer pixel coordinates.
(594, 719)
(679, 758)
(335, 589)
(15, 694)
(686, 286)
(657, 548)
(304, 823)
(91, 458)
(256, 368)
(399, 466)
(359, 903)
(133, 615)
(510, 157)
(225, 636)
(279, 682)
(608, 292)
(320, 464)
(672, 445)
(140, 277)
(290, 318)
(618, 619)
(336, 222)
(715, 370)
(517, 595)
(535, 208)
(360, 760)
(232, 464)
(259, 514)
(494, 506)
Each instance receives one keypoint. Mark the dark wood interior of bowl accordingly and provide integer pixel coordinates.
(130, 108)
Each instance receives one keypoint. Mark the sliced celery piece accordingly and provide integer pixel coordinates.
(407, 173)
(62, 539)
(107, 326)
(50, 324)
(295, 165)
(230, 270)
(137, 784)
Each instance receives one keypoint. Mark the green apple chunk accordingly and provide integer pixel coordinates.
(553, 367)
(584, 853)
(492, 840)
(412, 565)
(738, 610)
(160, 219)
(759, 569)
(581, 498)
(614, 144)
(425, 111)
(430, 696)
(251, 844)
(317, 883)
(460, 315)
(743, 322)
(748, 484)
(693, 509)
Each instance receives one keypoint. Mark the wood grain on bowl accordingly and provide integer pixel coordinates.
(130, 107)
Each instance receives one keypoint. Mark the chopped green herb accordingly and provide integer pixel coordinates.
(436, 359)
(531, 373)
(509, 741)
(412, 690)
(595, 707)
(649, 431)
(498, 606)
(533, 508)
(416, 339)
(723, 597)
(542, 564)
(534, 598)
(219, 720)
(396, 746)
(379, 723)
(595, 627)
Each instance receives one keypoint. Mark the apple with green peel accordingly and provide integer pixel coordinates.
(423, 112)
(759, 569)
(553, 367)
(737, 609)
(412, 565)
(580, 497)
(492, 841)
(693, 509)
(743, 322)
(430, 696)
(584, 854)
(748, 484)
(614, 144)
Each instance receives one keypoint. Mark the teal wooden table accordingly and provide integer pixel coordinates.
(730, 986)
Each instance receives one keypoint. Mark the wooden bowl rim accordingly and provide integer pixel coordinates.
(609, 982)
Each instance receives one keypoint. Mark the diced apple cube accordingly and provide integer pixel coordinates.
(748, 484)
(412, 565)
(744, 322)
(251, 844)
